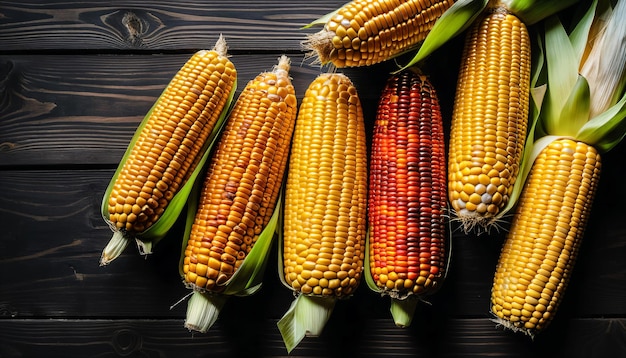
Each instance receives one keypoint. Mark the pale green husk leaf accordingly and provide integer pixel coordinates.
(203, 310)
(367, 272)
(452, 22)
(403, 311)
(148, 238)
(533, 11)
(573, 117)
(607, 129)
(575, 112)
(306, 317)
(580, 34)
(562, 68)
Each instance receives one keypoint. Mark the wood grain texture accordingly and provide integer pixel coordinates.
(601, 338)
(83, 109)
(54, 232)
(156, 25)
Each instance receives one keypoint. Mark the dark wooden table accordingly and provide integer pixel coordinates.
(76, 77)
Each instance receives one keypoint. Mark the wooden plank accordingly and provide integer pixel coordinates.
(149, 25)
(83, 109)
(53, 235)
(360, 337)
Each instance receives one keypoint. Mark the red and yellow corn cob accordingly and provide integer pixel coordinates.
(323, 245)
(490, 118)
(242, 183)
(168, 146)
(366, 32)
(407, 193)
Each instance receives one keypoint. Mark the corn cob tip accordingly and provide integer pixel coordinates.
(477, 224)
(221, 47)
(284, 64)
(318, 47)
(114, 248)
(510, 326)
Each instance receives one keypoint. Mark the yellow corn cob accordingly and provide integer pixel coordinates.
(541, 248)
(168, 147)
(490, 118)
(365, 32)
(243, 180)
(325, 201)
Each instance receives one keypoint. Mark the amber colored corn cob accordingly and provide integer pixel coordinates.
(365, 32)
(325, 198)
(325, 205)
(490, 118)
(537, 258)
(167, 148)
(243, 180)
(407, 192)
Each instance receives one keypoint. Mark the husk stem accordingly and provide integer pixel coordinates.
(403, 310)
(114, 248)
(306, 317)
(203, 309)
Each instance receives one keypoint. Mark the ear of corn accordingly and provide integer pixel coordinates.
(152, 182)
(323, 243)
(490, 118)
(537, 259)
(239, 195)
(407, 195)
(365, 32)
(542, 245)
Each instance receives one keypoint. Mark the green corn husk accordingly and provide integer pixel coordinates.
(463, 13)
(589, 57)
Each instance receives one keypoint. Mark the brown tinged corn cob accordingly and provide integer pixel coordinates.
(324, 231)
(540, 250)
(239, 195)
(365, 32)
(168, 147)
(243, 180)
(407, 193)
(490, 118)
